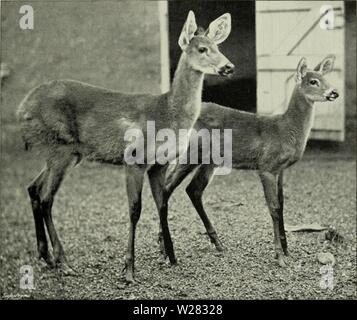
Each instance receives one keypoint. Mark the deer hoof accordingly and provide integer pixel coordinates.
(173, 262)
(129, 279)
(220, 247)
(282, 262)
(49, 260)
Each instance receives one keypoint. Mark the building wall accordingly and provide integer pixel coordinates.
(107, 43)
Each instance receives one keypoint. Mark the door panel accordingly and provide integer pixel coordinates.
(287, 31)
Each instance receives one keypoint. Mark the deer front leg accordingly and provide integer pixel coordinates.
(270, 186)
(166, 179)
(134, 185)
(34, 191)
(161, 196)
(52, 183)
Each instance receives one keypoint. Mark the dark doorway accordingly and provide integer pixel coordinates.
(239, 92)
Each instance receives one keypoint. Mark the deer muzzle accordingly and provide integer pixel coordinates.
(226, 70)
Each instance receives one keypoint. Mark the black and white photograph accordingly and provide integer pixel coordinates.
(187, 151)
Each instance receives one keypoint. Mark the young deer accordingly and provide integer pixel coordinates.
(72, 120)
(268, 144)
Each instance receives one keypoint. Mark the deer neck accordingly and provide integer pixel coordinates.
(185, 97)
(299, 118)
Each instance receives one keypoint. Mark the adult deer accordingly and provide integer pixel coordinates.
(72, 120)
(268, 144)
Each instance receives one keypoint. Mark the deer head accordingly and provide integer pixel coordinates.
(312, 82)
(202, 48)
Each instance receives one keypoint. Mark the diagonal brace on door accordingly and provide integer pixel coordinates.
(302, 30)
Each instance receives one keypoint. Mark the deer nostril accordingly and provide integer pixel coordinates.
(230, 66)
(334, 93)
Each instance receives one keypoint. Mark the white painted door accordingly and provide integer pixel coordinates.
(287, 31)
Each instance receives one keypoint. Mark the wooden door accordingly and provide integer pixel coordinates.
(287, 31)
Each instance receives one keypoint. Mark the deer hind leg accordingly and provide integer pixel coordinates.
(134, 185)
(57, 169)
(34, 191)
(270, 186)
(281, 214)
(42, 191)
(195, 191)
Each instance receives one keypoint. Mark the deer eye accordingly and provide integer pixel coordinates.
(314, 82)
(202, 49)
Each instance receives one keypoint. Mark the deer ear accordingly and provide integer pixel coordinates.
(219, 29)
(188, 31)
(301, 70)
(326, 65)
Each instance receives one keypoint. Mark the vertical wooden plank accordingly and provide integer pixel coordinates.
(264, 96)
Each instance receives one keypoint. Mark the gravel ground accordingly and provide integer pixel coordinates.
(90, 213)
